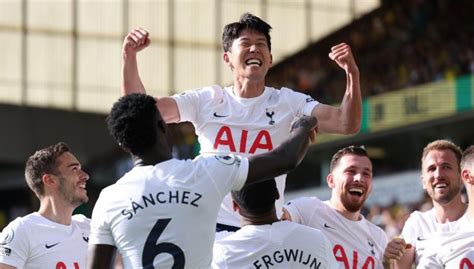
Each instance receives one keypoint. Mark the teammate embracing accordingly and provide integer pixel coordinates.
(248, 117)
(356, 242)
(162, 213)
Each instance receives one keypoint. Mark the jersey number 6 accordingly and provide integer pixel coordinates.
(152, 249)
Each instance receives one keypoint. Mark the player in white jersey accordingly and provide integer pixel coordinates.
(247, 117)
(356, 242)
(51, 237)
(264, 241)
(455, 249)
(162, 213)
(441, 179)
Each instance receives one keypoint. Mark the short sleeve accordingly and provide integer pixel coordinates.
(14, 245)
(296, 209)
(408, 232)
(100, 227)
(218, 257)
(231, 167)
(302, 102)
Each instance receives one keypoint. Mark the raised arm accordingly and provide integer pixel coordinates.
(134, 42)
(346, 118)
(286, 156)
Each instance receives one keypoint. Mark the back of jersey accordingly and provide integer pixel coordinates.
(279, 245)
(164, 216)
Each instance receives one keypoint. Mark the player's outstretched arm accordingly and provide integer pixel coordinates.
(286, 156)
(133, 42)
(101, 256)
(345, 119)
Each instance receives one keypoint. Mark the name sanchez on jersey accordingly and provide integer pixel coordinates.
(162, 197)
(287, 256)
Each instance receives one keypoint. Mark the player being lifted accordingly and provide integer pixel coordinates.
(247, 117)
(169, 206)
(356, 242)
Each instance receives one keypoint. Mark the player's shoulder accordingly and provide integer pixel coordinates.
(307, 200)
(218, 159)
(418, 216)
(82, 221)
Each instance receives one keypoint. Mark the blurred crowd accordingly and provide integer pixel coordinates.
(401, 44)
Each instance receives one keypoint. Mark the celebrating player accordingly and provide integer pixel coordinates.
(51, 237)
(168, 206)
(356, 242)
(248, 117)
(455, 249)
(264, 241)
(441, 179)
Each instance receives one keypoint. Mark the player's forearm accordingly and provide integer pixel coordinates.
(285, 157)
(351, 105)
(131, 82)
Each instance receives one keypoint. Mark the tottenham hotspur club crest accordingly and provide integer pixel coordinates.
(270, 114)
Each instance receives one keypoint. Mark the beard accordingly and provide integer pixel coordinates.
(446, 197)
(352, 206)
(68, 193)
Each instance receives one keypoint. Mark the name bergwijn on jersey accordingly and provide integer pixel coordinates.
(287, 256)
(162, 197)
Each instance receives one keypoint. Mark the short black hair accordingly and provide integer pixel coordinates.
(355, 150)
(133, 122)
(42, 162)
(249, 22)
(257, 198)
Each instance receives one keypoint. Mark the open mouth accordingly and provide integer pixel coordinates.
(356, 191)
(440, 186)
(255, 62)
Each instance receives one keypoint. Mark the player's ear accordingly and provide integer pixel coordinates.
(48, 180)
(422, 182)
(227, 59)
(330, 180)
(235, 206)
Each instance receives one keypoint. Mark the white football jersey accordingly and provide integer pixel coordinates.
(453, 249)
(420, 226)
(282, 245)
(225, 123)
(166, 214)
(355, 244)
(34, 242)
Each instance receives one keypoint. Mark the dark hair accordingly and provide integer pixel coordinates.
(247, 22)
(467, 157)
(42, 162)
(132, 122)
(443, 145)
(355, 150)
(257, 198)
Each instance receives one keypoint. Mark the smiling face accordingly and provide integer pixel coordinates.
(351, 182)
(249, 56)
(72, 180)
(441, 176)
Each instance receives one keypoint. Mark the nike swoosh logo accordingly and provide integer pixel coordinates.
(219, 116)
(329, 227)
(419, 238)
(50, 246)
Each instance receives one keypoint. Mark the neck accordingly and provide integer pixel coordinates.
(56, 210)
(450, 211)
(246, 88)
(150, 158)
(339, 207)
(263, 219)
